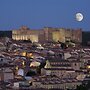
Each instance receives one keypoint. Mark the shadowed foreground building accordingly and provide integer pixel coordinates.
(86, 37)
(6, 34)
(47, 34)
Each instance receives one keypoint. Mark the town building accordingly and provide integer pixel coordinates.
(54, 82)
(6, 72)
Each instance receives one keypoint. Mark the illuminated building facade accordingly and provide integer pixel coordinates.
(47, 34)
(25, 34)
(62, 34)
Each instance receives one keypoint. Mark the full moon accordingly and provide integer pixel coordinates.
(79, 16)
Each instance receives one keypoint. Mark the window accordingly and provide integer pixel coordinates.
(75, 64)
(1, 59)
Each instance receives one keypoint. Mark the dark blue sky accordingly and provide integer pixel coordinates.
(37, 14)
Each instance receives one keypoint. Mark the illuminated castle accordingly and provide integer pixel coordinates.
(47, 34)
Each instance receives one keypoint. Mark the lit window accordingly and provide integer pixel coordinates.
(24, 54)
(16, 67)
(23, 63)
(88, 66)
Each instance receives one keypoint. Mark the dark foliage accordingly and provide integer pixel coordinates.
(31, 73)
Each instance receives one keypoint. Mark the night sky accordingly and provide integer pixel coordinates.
(37, 14)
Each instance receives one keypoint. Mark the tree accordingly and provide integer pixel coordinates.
(31, 73)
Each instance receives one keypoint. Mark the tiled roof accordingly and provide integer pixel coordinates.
(86, 57)
(72, 58)
(5, 65)
(61, 65)
(56, 60)
(59, 69)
